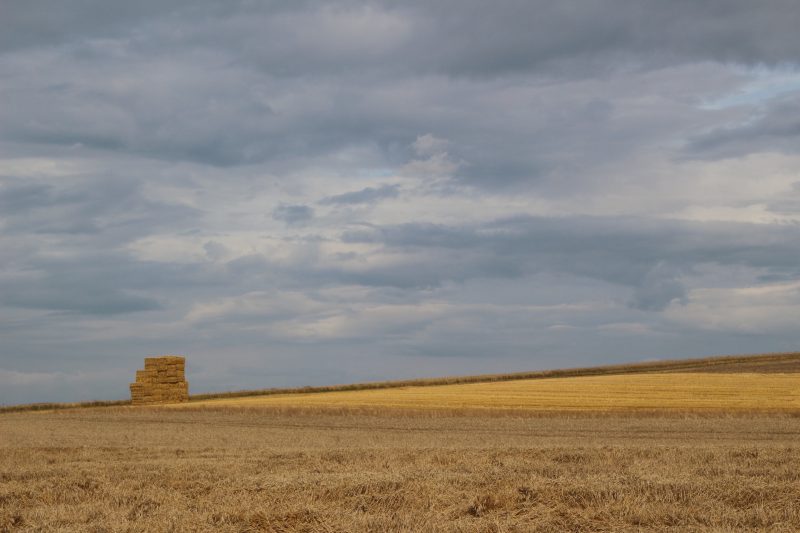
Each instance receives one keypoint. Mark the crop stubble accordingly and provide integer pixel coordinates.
(707, 460)
(657, 391)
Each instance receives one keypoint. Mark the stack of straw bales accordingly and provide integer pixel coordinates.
(161, 381)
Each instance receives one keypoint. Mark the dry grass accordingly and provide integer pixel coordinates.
(759, 365)
(237, 470)
(52, 406)
(666, 451)
(762, 363)
(681, 391)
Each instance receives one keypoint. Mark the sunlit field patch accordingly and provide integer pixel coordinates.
(672, 391)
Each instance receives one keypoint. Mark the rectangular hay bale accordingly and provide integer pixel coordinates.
(162, 381)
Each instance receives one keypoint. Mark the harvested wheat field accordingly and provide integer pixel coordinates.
(650, 460)
(670, 391)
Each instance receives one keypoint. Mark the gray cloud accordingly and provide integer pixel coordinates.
(659, 288)
(293, 214)
(458, 37)
(108, 205)
(640, 253)
(88, 299)
(776, 129)
(247, 109)
(214, 179)
(97, 283)
(364, 196)
(788, 202)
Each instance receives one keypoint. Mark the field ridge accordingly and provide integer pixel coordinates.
(673, 365)
(742, 362)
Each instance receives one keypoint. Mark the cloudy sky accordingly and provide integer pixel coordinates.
(301, 192)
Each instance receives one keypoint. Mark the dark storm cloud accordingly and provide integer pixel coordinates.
(366, 195)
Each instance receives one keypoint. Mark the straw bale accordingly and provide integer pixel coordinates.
(145, 376)
(161, 381)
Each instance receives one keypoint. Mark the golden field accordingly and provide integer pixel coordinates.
(259, 469)
(673, 450)
(674, 391)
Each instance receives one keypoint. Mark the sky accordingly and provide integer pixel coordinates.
(304, 192)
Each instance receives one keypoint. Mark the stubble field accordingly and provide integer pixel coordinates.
(401, 466)
(620, 393)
